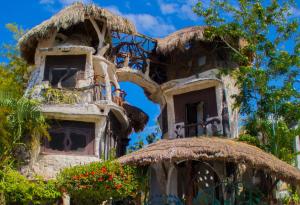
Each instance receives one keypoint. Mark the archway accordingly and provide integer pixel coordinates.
(135, 95)
(198, 183)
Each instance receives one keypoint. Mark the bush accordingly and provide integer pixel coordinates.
(99, 181)
(249, 139)
(17, 189)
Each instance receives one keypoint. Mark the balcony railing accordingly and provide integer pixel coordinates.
(88, 94)
(211, 126)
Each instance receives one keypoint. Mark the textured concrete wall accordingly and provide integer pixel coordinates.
(49, 165)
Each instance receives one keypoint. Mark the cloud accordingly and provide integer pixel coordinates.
(167, 8)
(146, 23)
(183, 9)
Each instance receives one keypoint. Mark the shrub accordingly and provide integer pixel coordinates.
(249, 140)
(17, 189)
(99, 181)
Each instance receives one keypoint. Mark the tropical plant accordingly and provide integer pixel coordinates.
(17, 189)
(99, 181)
(255, 33)
(24, 124)
(14, 71)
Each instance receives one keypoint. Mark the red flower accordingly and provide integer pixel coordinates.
(110, 178)
(93, 173)
(100, 179)
(103, 170)
(118, 186)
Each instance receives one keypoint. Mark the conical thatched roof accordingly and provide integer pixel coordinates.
(137, 117)
(69, 16)
(179, 38)
(212, 148)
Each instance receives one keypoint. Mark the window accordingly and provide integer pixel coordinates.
(70, 137)
(63, 71)
(194, 119)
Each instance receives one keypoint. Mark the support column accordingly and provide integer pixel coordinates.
(104, 67)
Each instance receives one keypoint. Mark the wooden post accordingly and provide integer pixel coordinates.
(189, 185)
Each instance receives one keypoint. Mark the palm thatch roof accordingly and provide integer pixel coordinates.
(69, 16)
(212, 148)
(179, 38)
(137, 117)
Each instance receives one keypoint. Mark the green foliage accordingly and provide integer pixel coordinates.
(21, 118)
(99, 181)
(276, 137)
(14, 73)
(256, 32)
(17, 189)
(249, 139)
(150, 138)
(292, 198)
(58, 96)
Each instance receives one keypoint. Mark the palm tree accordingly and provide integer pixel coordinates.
(21, 118)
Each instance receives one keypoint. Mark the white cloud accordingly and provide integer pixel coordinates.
(186, 12)
(146, 23)
(151, 25)
(181, 9)
(167, 8)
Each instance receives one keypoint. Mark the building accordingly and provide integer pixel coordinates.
(75, 79)
(82, 53)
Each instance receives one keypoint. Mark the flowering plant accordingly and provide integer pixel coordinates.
(99, 181)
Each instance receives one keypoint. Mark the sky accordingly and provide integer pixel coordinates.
(155, 18)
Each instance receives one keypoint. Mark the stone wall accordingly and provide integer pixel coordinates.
(49, 165)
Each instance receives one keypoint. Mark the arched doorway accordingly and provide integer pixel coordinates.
(198, 183)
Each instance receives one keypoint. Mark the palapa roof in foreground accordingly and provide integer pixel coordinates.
(137, 117)
(212, 148)
(68, 17)
(179, 38)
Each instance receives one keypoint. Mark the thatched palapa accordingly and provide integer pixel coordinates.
(69, 16)
(137, 118)
(212, 148)
(179, 38)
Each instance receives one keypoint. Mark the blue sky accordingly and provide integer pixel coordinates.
(156, 18)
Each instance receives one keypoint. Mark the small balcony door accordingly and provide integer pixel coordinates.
(194, 119)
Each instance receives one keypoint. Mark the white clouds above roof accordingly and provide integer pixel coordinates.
(147, 24)
(183, 9)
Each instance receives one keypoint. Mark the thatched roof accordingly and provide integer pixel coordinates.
(69, 16)
(137, 117)
(212, 148)
(179, 38)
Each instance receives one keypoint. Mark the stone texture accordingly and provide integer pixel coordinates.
(49, 165)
